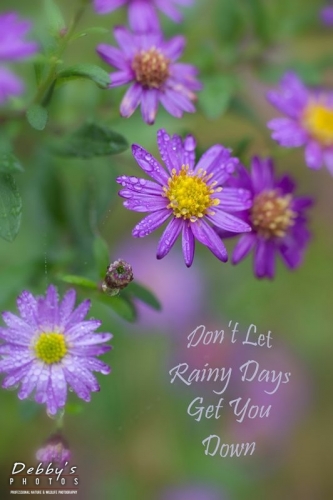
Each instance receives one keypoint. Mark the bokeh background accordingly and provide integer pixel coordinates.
(134, 441)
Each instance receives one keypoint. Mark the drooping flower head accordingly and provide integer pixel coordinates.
(142, 13)
(309, 120)
(192, 196)
(50, 346)
(55, 450)
(277, 218)
(149, 64)
(13, 47)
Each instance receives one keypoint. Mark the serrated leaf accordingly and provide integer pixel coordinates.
(120, 305)
(10, 208)
(90, 71)
(144, 294)
(217, 94)
(54, 16)
(78, 280)
(37, 116)
(102, 257)
(9, 164)
(91, 140)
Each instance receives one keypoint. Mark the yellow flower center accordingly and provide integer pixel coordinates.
(190, 194)
(151, 68)
(271, 214)
(51, 347)
(318, 120)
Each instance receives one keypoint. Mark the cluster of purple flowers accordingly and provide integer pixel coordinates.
(148, 62)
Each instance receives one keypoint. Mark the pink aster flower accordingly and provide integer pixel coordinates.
(277, 217)
(191, 195)
(309, 120)
(13, 47)
(149, 64)
(326, 15)
(142, 13)
(49, 346)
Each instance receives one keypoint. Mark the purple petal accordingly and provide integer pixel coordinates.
(29, 381)
(67, 305)
(208, 237)
(97, 365)
(179, 100)
(286, 184)
(169, 237)
(217, 161)
(42, 384)
(264, 258)
(79, 314)
(149, 105)
(106, 6)
(174, 48)
(131, 100)
(21, 329)
(27, 306)
(188, 244)
(234, 199)
(243, 247)
(149, 165)
(142, 16)
(112, 56)
(228, 222)
(262, 174)
(292, 96)
(287, 132)
(169, 10)
(328, 159)
(300, 204)
(81, 329)
(125, 40)
(313, 155)
(121, 78)
(59, 385)
(138, 185)
(150, 223)
(10, 85)
(170, 105)
(142, 202)
(167, 151)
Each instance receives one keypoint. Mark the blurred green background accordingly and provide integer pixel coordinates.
(134, 441)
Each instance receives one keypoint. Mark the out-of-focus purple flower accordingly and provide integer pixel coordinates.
(50, 346)
(142, 13)
(13, 47)
(55, 450)
(326, 15)
(182, 294)
(289, 401)
(277, 218)
(192, 492)
(192, 195)
(149, 64)
(309, 120)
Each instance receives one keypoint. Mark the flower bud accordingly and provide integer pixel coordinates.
(55, 450)
(118, 275)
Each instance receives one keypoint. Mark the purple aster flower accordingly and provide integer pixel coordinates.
(192, 196)
(309, 120)
(55, 450)
(13, 47)
(49, 346)
(142, 13)
(326, 15)
(277, 219)
(148, 63)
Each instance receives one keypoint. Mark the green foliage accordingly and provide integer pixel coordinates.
(216, 96)
(142, 293)
(89, 71)
(10, 208)
(102, 257)
(54, 16)
(91, 140)
(9, 164)
(37, 116)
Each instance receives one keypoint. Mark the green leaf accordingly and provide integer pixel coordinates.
(91, 140)
(10, 208)
(144, 294)
(37, 116)
(102, 257)
(259, 18)
(78, 280)
(120, 305)
(90, 71)
(9, 164)
(54, 16)
(217, 94)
